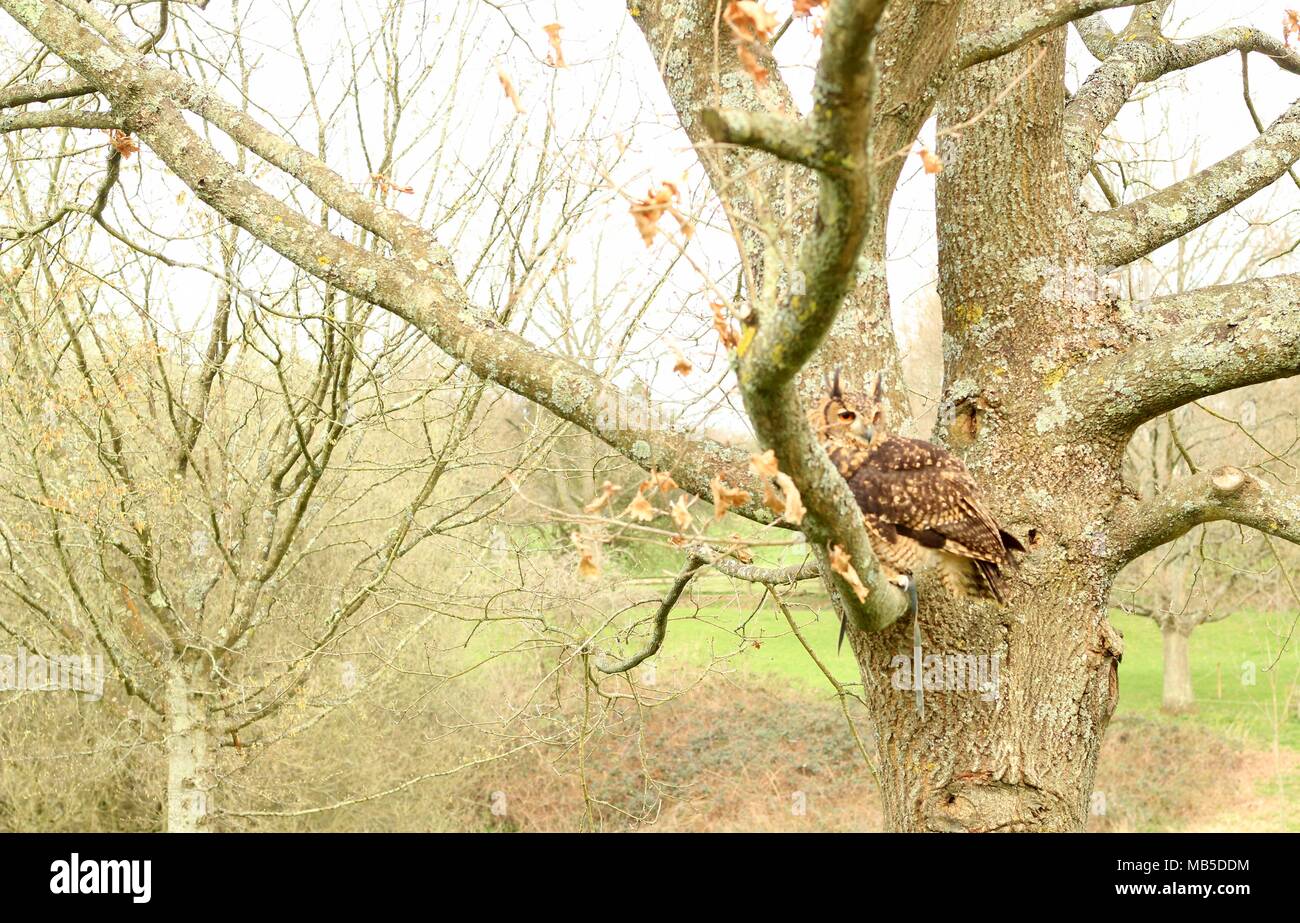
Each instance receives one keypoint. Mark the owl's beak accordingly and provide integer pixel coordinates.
(861, 429)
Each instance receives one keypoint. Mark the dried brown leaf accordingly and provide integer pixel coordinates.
(749, 61)
(930, 160)
(792, 501)
(682, 366)
(122, 142)
(722, 324)
(508, 85)
(681, 513)
(725, 496)
(661, 481)
(750, 20)
(641, 509)
(739, 549)
(601, 500)
(555, 57)
(842, 563)
(588, 555)
(764, 464)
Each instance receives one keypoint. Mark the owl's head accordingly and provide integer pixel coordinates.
(844, 415)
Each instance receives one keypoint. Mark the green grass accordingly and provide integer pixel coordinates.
(1221, 653)
(761, 642)
(1234, 692)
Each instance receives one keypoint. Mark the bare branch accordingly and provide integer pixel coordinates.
(1098, 37)
(1015, 32)
(697, 557)
(1193, 345)
(1140, 58)
(1223, 493)
(688, 572)
(58, 118)
(46, 92)
(785, 138)
(1124, 234)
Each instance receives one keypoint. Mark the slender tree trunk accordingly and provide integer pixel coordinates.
(190, 749)
(1178, 696)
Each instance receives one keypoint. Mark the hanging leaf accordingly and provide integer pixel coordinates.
(683, 365)
(588, 555)
(750, 20)
(555, 57)
(661, 481)
(641, 509)
(508, 85)
(647, 212)
(794, 510)
(842, 564)
(681, 513)
(122, 142)
(764, 465)
(930, 161)
(739, 549)
(749, 61)
(726, 496)
(601, 500)
(804, 8)
(721, 323)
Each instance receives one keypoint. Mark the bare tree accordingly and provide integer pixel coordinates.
(1047, 374)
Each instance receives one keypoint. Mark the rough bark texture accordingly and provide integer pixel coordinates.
(1008, 222)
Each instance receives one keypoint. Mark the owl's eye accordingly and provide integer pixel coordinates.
(847, 416)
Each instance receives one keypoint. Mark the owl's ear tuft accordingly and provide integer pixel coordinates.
(879, 394)
(835, 385)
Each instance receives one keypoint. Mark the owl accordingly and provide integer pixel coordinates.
(920, 505)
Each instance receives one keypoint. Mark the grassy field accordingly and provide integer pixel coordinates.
(1236, 693)
(1214, 769)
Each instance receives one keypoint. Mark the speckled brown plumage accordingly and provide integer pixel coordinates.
(919, 503)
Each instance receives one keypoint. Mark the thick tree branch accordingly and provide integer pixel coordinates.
(1193, 345)
(57, 118)
(419, 286)
(1015, 32)
(1224, 493)
(1124, 234)
(1098, 37)
(1139, 56)
(785, 138)
(44, 92)
(782, 337)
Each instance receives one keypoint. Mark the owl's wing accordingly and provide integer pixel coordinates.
(926, 494)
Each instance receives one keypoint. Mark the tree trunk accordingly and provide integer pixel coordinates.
(1178, 696)
(190, 749)
(1020, 302)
